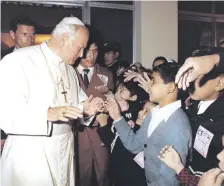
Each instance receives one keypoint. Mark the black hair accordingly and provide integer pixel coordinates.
(142, 97)
(167, 71)
(21, 20)
(214, 73)
(134, 89)
(94, 38)
(161, 58)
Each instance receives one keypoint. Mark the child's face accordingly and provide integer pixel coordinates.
(206, 91)
(158, 89)
(220, 156)
(125, 93)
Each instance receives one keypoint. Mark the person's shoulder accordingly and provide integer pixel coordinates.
(103, 70)
(181, 119)
(21, 57)
(6, 52)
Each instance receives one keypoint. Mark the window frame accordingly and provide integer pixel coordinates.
(86, 11)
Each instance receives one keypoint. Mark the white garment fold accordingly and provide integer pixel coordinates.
(36, 152)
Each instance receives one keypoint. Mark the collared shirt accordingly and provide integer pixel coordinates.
(80, 69)
(203, 105)
(160, 114)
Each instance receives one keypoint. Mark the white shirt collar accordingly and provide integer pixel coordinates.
(203, 105)
(80, 69)
(160, 114)
(90, 74)
(56, 59)
(166, 111)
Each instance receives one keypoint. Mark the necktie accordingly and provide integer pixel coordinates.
(85, 78)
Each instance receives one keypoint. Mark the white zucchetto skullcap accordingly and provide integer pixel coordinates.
(72, 21)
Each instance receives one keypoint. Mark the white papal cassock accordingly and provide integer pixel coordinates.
(36, 152)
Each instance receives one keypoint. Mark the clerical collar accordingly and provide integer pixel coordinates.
(56, 59)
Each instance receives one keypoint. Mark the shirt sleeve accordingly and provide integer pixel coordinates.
(185, 177)
(22, 112)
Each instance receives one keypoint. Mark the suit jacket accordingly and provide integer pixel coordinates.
(93, 154)
(212, 120)
(97, 80)
(176, 131)
(123, 170)
(8, 51)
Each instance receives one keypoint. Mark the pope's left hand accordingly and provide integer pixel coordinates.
(92, 106)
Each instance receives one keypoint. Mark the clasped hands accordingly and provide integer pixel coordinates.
(90, 107)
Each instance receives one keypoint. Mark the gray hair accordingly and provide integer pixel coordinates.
(67, 25)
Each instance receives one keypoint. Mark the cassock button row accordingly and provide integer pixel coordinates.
(145, 145)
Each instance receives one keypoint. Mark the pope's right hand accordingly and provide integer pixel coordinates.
(64, 113)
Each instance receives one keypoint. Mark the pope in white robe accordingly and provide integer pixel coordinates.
(39, 152)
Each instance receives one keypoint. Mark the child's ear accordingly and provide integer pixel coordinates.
(133, 98)
(171, 87)
(220, 84)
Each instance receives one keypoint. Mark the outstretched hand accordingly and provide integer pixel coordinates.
(129, 75)
(113, 109)
(144, 81)
(93, 105)
(194, 67)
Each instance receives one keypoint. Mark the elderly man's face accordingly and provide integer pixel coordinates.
(73, 48)
(24, 36)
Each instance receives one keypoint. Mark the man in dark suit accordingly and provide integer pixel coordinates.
(93, 154)
(112, 59)
(22, 32)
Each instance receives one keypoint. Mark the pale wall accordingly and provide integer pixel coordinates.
(157, 30)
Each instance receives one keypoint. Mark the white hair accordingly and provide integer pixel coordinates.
(67, 25)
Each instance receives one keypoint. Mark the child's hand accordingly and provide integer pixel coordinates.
(213, 177)
(144, 81)
(129, 75)
(171, 158)
(131, 123)
(113, 109)
(102, 119)
(123, 105)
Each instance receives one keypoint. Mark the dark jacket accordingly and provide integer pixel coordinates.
(8, 51)
(123, 171)
(116, 68)
(212, 120)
